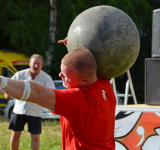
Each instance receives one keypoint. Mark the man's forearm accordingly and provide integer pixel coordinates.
(7, 96)
(39, 94)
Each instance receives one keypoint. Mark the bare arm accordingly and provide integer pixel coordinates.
(40, 95)
(7, 96)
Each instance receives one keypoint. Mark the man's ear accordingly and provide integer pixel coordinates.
(85, 81)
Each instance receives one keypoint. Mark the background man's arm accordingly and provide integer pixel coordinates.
(7, 96)
(38, 95)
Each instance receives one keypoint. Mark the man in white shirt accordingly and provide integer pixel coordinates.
(26, 112)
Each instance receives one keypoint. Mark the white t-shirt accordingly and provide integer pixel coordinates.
(28, 108)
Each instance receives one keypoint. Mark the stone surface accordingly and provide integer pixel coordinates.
(111, 36)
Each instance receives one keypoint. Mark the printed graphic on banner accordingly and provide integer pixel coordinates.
(137, 130)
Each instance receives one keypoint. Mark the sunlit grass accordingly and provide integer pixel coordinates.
(50, 139)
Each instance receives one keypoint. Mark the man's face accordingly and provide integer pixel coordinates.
(70, 77)
(36, 65)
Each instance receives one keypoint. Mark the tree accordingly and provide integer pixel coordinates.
(24, 26)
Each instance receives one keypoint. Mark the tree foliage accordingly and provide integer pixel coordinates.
(24, 26)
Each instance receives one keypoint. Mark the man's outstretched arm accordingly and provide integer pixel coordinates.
(40, 95)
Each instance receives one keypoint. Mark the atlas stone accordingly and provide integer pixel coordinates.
(110, 35)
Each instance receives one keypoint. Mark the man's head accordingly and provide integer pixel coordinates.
(36, 64)
(78, 68)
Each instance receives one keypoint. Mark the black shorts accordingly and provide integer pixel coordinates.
(17, 123)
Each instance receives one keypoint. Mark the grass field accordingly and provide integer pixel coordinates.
(50, 139)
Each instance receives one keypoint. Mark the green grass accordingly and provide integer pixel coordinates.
(50, 139)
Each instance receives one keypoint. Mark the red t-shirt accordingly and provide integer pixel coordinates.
(87, 116)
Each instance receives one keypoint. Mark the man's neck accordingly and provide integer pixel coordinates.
(33, 75)
(92, 80)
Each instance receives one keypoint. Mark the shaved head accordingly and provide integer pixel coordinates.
(82, 60)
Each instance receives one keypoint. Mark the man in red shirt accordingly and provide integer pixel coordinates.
(87, 106)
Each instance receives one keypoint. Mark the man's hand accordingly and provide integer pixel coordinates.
(63, 41)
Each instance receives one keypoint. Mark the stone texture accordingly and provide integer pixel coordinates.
(111, 36)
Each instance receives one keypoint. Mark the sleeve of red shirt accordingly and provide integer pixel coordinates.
(68, 102)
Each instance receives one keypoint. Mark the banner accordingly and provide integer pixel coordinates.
(137, 130)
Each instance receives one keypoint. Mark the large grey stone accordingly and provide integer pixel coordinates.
(111, 36)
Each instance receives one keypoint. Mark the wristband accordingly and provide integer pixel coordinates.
(27, 90)
(3, 82)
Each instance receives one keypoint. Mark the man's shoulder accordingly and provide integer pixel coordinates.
(100, 83)
(23, 71)
(20, 74)
(44, 74)
(69, 91)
